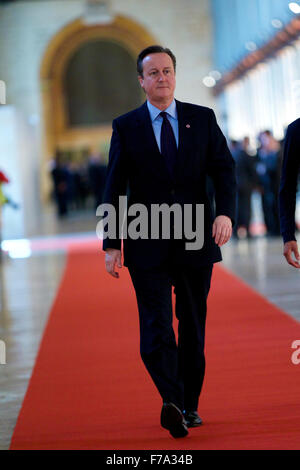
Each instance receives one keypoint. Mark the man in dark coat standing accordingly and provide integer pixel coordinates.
(162, 154)
(288, 191)
(246, 182)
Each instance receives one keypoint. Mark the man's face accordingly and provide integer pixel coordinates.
(159, 77)
(265, 140)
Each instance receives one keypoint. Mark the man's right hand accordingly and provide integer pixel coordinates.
(113, 258)
(291, 248)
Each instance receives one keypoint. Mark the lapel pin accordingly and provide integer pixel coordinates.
(188, 126)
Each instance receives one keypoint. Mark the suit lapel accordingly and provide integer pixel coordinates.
(186, 130)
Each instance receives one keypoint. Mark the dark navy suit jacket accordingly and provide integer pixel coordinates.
(136, 165)
(289, 180)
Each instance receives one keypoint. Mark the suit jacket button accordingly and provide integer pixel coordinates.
(173, 192)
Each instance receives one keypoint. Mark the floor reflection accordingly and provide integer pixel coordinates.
(261, 264)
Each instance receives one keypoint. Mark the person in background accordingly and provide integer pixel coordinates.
(97, 173)
(75, 199)
(61, 177)
(4, 200)
(234, 147)
(267, 170)
(246, 182)
(288, 191)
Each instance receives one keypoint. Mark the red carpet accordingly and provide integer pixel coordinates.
(89, 388)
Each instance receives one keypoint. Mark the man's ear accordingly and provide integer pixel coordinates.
(141, 80)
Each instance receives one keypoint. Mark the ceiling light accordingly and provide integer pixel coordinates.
(294, 7)
(251, 46)
(276, 23)
(215, 74)
(209, 81)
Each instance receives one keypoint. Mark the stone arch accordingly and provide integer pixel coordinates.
(100, 83)
(122, 31)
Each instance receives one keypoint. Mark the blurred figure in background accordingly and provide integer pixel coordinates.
(234, 147)
(268, 164)
(74, 186)
(97, 174)
(82, 185)
(61, 178)
(4, 199)
(246, 182)
(287, 194)
(3, 180)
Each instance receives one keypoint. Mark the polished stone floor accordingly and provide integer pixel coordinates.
(260, 262)
(28, 286)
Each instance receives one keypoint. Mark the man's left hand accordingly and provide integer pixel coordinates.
(222, 229)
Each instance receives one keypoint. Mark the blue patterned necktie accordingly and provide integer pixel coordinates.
(168, 147)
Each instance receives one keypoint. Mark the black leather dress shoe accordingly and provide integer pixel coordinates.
(172, 419)
(192, 418)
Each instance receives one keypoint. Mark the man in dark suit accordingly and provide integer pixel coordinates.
(288, 191)
(163, 153)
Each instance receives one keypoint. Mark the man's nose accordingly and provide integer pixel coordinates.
(161, 77)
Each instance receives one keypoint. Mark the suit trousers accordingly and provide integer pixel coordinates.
(176, 368)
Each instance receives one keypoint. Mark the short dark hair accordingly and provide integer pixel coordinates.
(153, 50)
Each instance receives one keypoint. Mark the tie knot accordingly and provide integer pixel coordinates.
(163, 114)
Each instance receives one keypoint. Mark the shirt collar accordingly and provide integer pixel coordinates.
(154, 111)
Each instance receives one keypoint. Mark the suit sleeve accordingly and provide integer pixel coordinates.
(116, 183)
(221, 168)
(288, 184)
